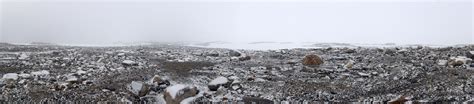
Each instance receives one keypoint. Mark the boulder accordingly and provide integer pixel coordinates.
(470, 54)
(129, 63)
(245, 58)
(218, 82)
(177, 93)
(234, 53)
(312, 60)
(458, 61)
(138, 88)
(40, 73)
(349, 64)
(10, 76)
(256, 100)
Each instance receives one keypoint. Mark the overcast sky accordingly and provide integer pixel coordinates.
(346, 21)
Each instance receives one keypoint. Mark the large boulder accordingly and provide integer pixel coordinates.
(218, 82)
(177, 93)
(138, 88)
(312, 60)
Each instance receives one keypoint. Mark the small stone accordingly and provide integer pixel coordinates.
(10, 76)
(138, 88)
(177, 93)
(312, 60)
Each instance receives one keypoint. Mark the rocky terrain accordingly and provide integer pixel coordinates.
(181, 74)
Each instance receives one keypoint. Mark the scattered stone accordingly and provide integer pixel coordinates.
(311, 60)
(218, 82)
(138, 88)
(10, 76)
(177, 93)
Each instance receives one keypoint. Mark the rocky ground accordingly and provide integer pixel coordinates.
(178, 74)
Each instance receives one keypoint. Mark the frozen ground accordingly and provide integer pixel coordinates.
(142, 73)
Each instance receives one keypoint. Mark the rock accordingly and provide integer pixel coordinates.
(40, 73)
(234, 53)
(442, 62)
(399, 100)
(26, 76)
(216, 83)
(213, 54)
(470, 54)
(138, 88)
(81, 72)
(458, 61)
(177, 93)
(312, 60)
(10, 76)
(349, 64)
(129, 63)
(156, 79)
(245, 58)
(72, 79)
(23, 56)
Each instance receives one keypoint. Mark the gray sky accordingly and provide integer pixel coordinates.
(359, 21)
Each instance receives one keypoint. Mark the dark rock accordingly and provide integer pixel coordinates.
(218, 82)
(311, 60)
(245, 58)
(234, 53)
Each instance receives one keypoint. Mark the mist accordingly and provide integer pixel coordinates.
(342, 22)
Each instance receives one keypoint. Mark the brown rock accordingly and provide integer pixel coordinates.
(177, 93)
(312, 60)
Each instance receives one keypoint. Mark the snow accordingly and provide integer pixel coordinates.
(13, 76)
(219, 80)
(40, 73)
(175, 90)
(23, 56)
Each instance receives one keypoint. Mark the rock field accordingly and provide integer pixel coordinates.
(180, 74)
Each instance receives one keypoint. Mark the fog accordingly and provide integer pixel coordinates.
(75, 22)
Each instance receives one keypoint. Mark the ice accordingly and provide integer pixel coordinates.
(12, 76)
